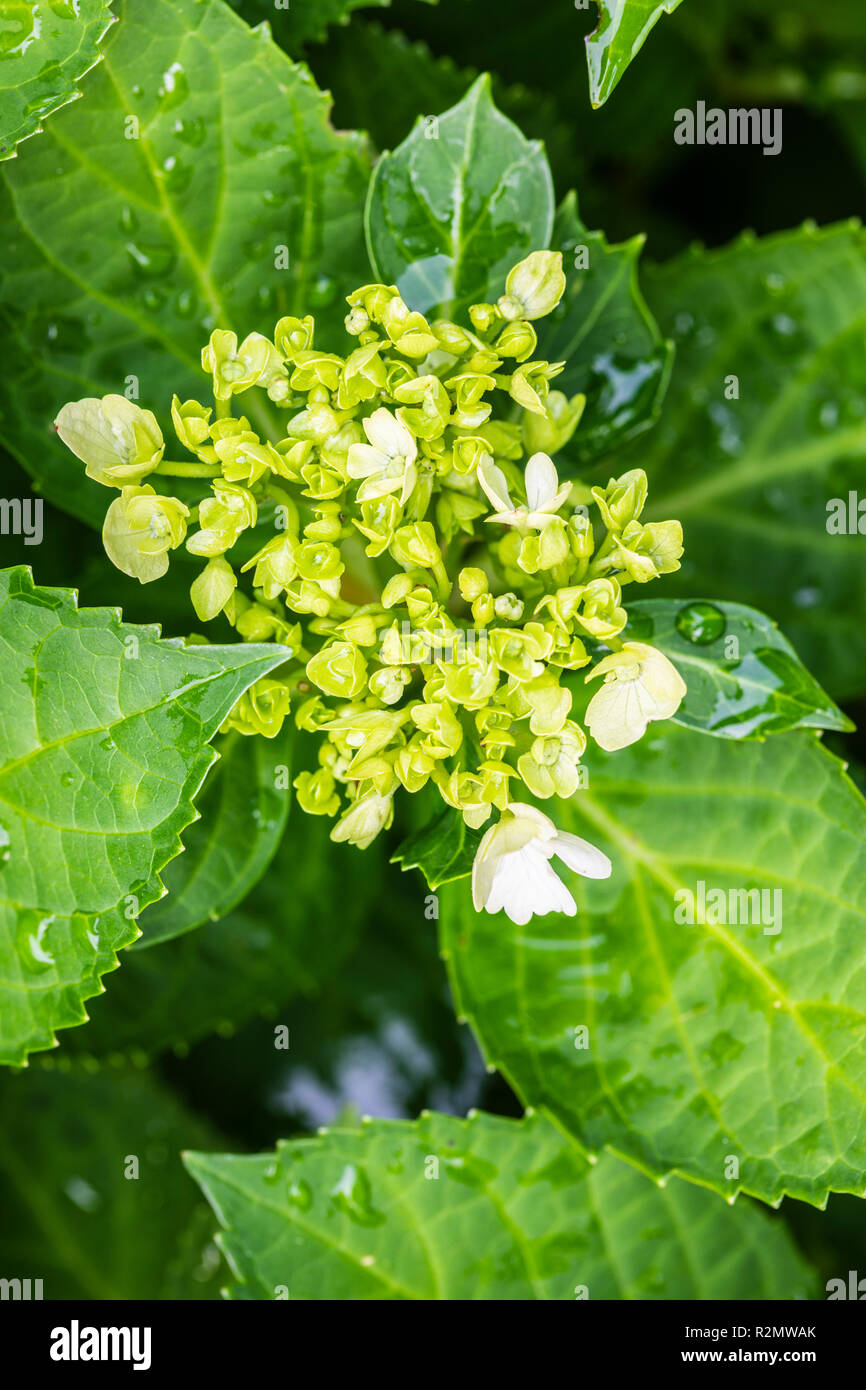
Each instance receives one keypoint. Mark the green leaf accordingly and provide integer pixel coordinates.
(604, 332)
(456, 206)
(443, 1209)
(744, 678)
(242, 816)
(743, 1038)
(76, 1213)
(305, 21)
(622, 31)
(751, 478)
(443, 850)
(121, 254)
(104, 740)
(290, 935)
(45, 50)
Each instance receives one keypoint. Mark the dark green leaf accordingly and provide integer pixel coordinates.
(744, 678)
(444, 1209)
(104, 732)
(457, 205)
(242, 811)
(442, 850)
(296, 23)
(604, 332)
(121, 254)
(742, 1036)
(621, 34)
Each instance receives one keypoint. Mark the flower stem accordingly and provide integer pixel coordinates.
(187, 470)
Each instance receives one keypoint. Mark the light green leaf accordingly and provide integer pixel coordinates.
(443, 850)
(604, 332)
(622, 31)
(744, 678)
(751, 478)
(742, 1036)
(76, 1215)
(45, 49)
(456, 206)
(104, 733)
(242, 813)
(290, 935)
(442, 1209)
(136, 225)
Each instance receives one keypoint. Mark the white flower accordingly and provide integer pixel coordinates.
(640, 685)
(512, 868)
(387, 463)
(544, 496)
(364, 819)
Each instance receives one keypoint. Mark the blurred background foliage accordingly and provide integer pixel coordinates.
(180, 1052)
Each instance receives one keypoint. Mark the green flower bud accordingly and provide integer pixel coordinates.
(361, 628)
(357, 321)
(508, 607)
(413, 766)
(259, 624)
(319, 560)
(537, 284)
(518, 340)
(262, 710)
(472, 583)
(416, 545)
(463, 791)
(471, 681)
(292, 336)
(518, 652)
(312, 714)
(483, 317)
(192, 426)
(409, 331)
(317, 423)
(503, 440)
(483, 609)
(581, 534)
(140, 528)
(327, 526)
(236, 368)
(427, 406)
(363, 376)
(470, 408)
(222, 519)
(213, 588)
(389, 683)
(454, 339)
(550, 768)
(338, 669)
(549, 433)
(530, 384)
(364, 819)
(441, 727)
(600, 613)
(275, 565)
(397, 590)
(379, 519)
(313, 368)
(117, 441)
(317, 793)
(546, 549)
(545, 701)
(648, 551)
(622, 500)
(322, 484)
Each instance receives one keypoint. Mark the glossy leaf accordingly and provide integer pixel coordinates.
(740, 1037)
(288, 936)
(744, 678)
(104, 733)
(45, 50)
(604, 332)
(135, 225)
(751, 477)
(443, 1209)
(96, 1203)
(443, 850)
(457, 205)
(623, 28)
(242, 812)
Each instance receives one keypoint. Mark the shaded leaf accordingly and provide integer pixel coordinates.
(480, 1209)
(104, 732)
(744, 678)
(301, 22)
(443, 850)
(126, 252)
(77, 1214)
(742, 1035)
(604, 332)
(45, 50)
(243, 815)
(457, 205)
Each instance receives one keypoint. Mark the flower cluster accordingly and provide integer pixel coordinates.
(434, 581)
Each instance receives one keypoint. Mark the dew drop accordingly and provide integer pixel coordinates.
(701, 623)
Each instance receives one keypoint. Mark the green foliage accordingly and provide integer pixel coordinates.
(96, 1203)
(456, 204)
(443, 850)
(301, 22)
(621, 33)
(484, 1208)
(740, 1034)
(744, 678)
(45, 50)
(132, 228)
(105, 733)
(751, 477)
